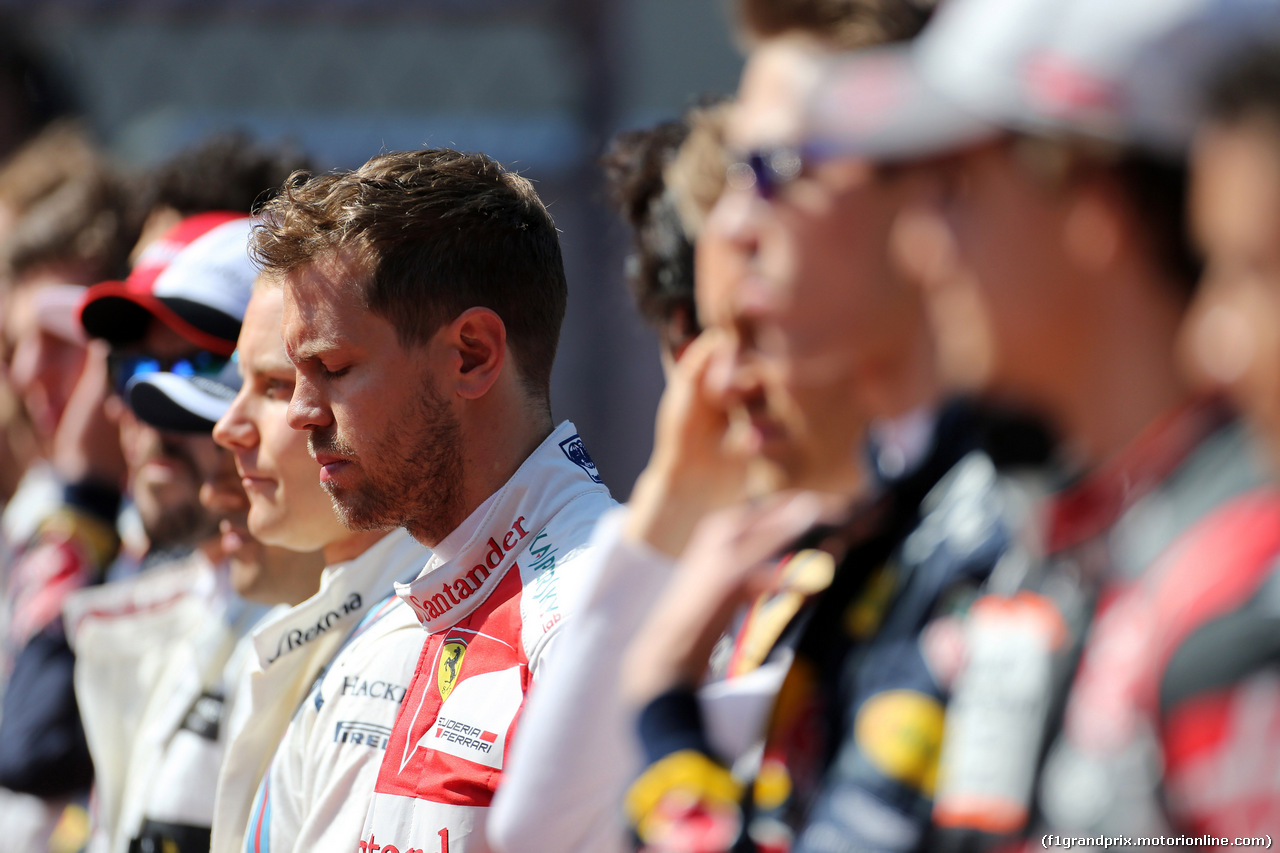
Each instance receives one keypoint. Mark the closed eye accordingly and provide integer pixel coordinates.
(334, 373)
(278, 389)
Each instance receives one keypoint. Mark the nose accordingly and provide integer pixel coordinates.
(307, 406)
(235, 430)
(732, 376)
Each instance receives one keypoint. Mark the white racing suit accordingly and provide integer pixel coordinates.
(155, 657)
(564, 783)
(407, 738)
(291, 649)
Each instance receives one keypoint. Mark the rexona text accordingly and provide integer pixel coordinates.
(297, 638)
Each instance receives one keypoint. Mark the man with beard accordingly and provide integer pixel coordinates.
(423, 297)
(179, 310)
(68, 230)
(289, 508)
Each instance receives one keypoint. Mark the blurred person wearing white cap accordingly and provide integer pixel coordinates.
(223, 175)
(159, 654)
(154, 650)
(179, 309)
(289, 508)
(1060, 130)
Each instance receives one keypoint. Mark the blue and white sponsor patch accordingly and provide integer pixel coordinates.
(578, 455)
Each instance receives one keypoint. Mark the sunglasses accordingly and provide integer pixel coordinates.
(124, 368)
(768, 170)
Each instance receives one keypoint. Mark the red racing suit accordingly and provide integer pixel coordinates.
(1123, 684)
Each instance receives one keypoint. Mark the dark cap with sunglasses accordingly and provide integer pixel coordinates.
(187, 400)
(196, 279)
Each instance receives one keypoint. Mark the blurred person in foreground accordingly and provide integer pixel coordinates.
(295, 648)
(826, 307)
(71, 227)
(810, 336)
(70, 224)
(1214, 669)
(100, 447)
(159, 654)
(1060, 141)
(423, 297)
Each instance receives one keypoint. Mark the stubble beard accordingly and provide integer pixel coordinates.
(177, 523)
(414, 479)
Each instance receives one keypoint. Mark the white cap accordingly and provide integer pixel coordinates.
(1125, 71)
(196, 279)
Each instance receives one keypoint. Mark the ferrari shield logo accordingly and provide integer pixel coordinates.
(450, 665)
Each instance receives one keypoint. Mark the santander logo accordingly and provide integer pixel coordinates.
(433, 605)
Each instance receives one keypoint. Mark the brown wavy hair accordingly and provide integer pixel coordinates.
(430, 234)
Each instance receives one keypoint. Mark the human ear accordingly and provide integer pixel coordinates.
(1094, 230)
(479, 337)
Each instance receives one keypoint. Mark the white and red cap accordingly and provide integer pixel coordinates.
(196, 279)
(1129, 72)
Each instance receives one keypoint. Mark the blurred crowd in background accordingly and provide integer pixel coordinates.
(959, 529)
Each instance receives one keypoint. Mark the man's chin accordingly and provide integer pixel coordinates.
(766, 475)
(356, 513)
(176, 525)
(270, 526)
